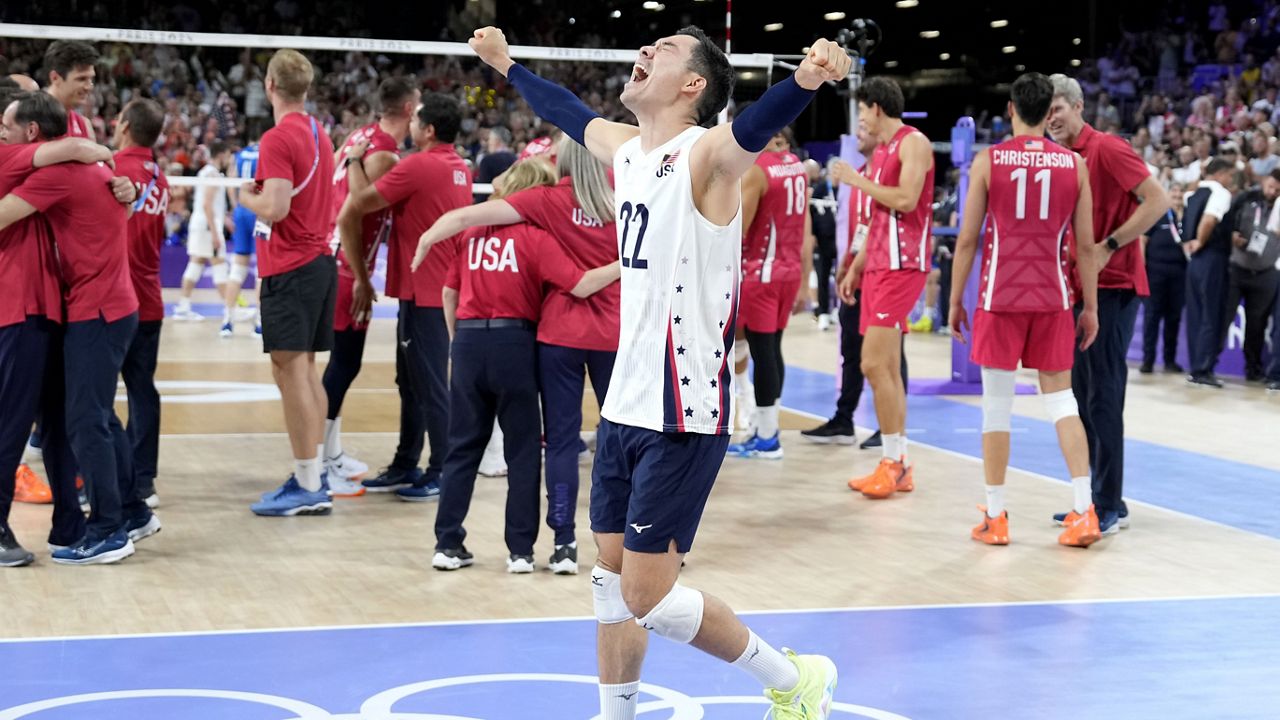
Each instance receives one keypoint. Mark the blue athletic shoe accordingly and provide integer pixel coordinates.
(1121, 521)
(142, 526)
(292, 499)
(1109, 523)
(96, 551)
(226, 330)
(758, 447)
(392, 479)
(324, 485)
(429, 490)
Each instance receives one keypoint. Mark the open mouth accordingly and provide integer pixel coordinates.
(639, 74)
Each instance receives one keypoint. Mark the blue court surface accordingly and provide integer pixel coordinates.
(1206, 658)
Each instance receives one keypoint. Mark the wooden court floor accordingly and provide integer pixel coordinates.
(777, 534)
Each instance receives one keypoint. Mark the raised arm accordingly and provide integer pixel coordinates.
(975, 211)
(492, 212)
(552, 102)
(71, 149)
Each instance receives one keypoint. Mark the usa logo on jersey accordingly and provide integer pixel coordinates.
(668, 164)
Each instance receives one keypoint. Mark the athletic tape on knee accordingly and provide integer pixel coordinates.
(997, 400)
(1061, 405)
(606, 592)
(741, 350)
(220, 273)
(239, 273)
(194, 271)
(677, 617)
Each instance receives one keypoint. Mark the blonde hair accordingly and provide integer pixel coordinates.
(591, 189)
(293, 74)
(522, 176)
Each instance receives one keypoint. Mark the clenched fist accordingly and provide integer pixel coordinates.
(491, 46)
(826, 61)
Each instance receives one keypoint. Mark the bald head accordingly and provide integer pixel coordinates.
(25, 82)
(813, 170)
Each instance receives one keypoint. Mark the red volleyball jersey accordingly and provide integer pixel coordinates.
(376, 227)
(899, 240)
(1030, 203)
(771, 247)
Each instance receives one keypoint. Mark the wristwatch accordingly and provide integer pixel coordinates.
(1112, 244)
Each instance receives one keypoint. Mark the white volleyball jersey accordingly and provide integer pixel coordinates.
(680, 271)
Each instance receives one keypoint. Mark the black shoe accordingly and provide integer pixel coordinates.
(564, 561)
(872, 442)
(1173, 367)
(1273, 386)
(1205, 380)
(1254, 377)
(12, 554)
(1147, 368)
(452, 559)
(831, 432)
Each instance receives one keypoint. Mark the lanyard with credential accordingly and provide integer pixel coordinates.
(142, 199)
(315, 133)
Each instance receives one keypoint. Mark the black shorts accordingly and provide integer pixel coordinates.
(652, 486)
(297, 307)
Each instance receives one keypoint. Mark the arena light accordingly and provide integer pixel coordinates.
(773, 27)
(615, 14)
(904, 4)
(837, 15)
(944, 56)
(1009, 49)
(999, 23)
(1075, 63)
(1020, 67)
(748, 75)
(805, 50)
(929, 34)
(655, 6)
(1075, 41)
(891, 63)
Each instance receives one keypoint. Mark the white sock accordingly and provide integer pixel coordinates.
(995, 500)
(308, 473)
(1082, 490)
(184, 303)
(744, 382)
(767, 665)
(902, 447)
(931, 312)
(333, 438)
(618, 702)
(767, 421)
(891, 447)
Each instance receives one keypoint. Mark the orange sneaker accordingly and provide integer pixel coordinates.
(886, 479)
(905, 483)
(29, 488)
(1082, 530)
(992, 531)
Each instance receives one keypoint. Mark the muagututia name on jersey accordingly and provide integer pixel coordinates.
(786, 170)
(1033, 159)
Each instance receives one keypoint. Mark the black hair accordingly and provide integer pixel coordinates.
(1217, 165)
(1275, 174)
(45, 111)
(216, 148)
(146, 121)
(883, 92)
(392, 95)
(1032, 94)
(64, 56)
(442, 112)
(710, 62)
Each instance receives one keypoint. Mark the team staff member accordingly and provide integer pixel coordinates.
(895, 262)
(90, 228)
(1207, 227)
(1252, 275)
(777, 253)
(137, 130)
(72, 69)
(365, 157)
(293, 200)
(31, 370)
(576, 337)
(493, 296)
(419, 189)
(822, 218)
(1126, 202)
(1024, 313)
(1167, 276)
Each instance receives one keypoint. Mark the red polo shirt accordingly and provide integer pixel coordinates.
(500, 272)
(1115, 171)
(590, 324)
(421, 188)
(146, 228)
(299, 151)
(28, 267)
(91, 230)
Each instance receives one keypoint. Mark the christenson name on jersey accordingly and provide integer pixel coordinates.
(679, 296)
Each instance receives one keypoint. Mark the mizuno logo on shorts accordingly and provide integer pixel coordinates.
(882, 316)
(640, 528)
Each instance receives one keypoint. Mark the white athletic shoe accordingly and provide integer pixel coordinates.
(245, 314)
(824, 322)
(520, 564)
(746, 409)
(346, 467)
(341, 487)
(187, 314)
(589, 437)
(493, 467)
(152, 501)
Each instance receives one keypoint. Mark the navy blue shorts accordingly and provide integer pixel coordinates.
(652, 486)
(242, 238)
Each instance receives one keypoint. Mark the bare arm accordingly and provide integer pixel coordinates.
(806, 252)
(754, 185)
(78, 150)
(597, 279)
(350, 228)
(13, 209)
(272, 203)
(361, 175)
(449, 298)
(975, 211)
(492, 212)
(214, 231)
(917, 158)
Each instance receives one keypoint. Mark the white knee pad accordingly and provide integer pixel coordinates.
(1061, 405)
(606, 591)
(997, 400)
(678, 616)
(238, 273)
(741, 350)
(194, 271)
(220, 273)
